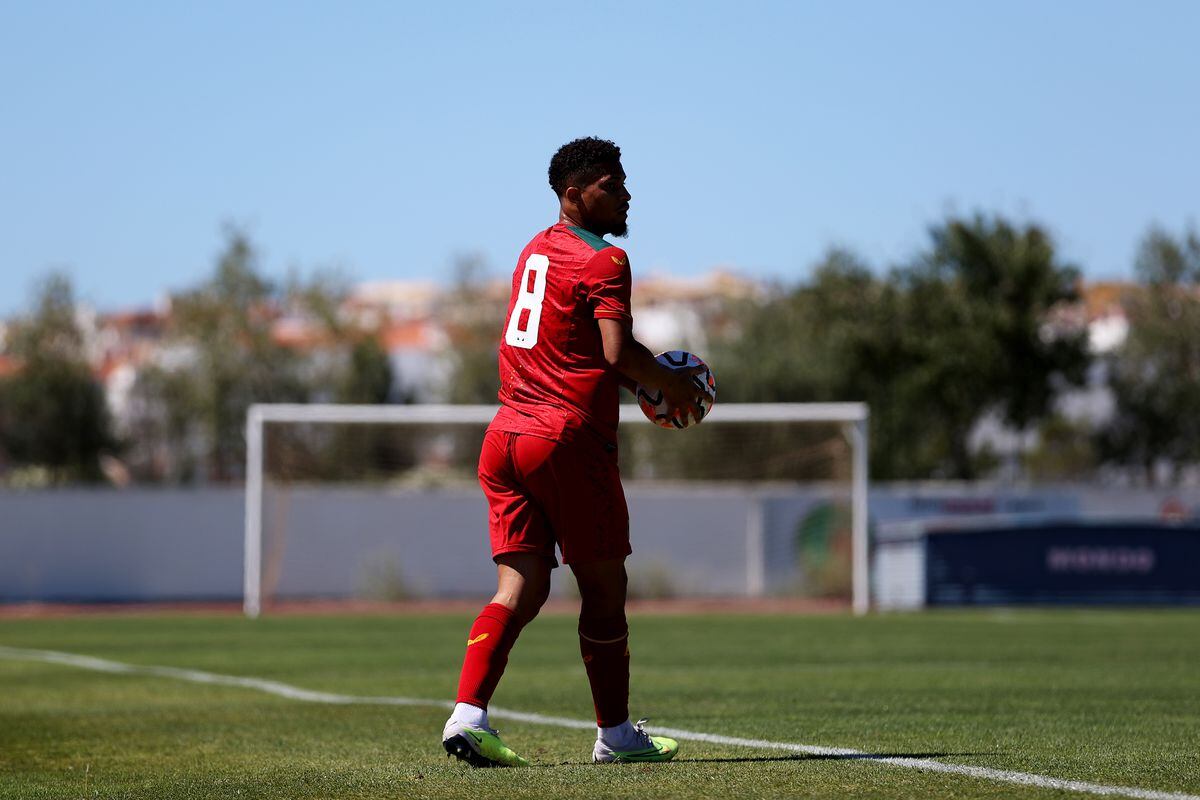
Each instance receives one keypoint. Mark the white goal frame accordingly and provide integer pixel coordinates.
(854, 418)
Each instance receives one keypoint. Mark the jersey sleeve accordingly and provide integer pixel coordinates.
(608, 282)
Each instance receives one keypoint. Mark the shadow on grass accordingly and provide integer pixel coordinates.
(825, 757)
(792, 757)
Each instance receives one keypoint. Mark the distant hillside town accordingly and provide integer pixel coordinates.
(413, 321)
(985, 357)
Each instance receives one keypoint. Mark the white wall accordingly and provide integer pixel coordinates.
(146, 544)
(120, 545)
(158, 544)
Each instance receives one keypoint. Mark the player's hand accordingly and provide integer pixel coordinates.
(684, 390)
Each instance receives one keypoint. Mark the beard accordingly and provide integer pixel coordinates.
(620, 229)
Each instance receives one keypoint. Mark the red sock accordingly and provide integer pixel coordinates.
(604, 645)
(492, 636)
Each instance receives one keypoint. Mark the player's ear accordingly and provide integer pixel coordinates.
(573, 194)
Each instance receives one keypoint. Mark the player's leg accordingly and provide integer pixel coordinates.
(523, 549)
(523, 584)
(604, 645)
(594, 536)
(604, 637)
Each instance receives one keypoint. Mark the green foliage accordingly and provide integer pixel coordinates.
(1155, 375)
(225, 357)
(53, 413)
(965, 331)
(475, 318)
(368, 375)
(166, 432)
(1066, 450)
(736, 452)
(224, 326)
(50, 331)
(797, 345)
(973, 338)
(830, 339)
(363, 372)
(932, 347)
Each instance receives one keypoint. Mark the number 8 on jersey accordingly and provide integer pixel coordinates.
(527, 311)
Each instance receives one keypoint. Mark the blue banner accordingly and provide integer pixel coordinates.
(1136, 563)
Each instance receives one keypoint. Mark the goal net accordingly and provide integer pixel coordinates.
(381, 503)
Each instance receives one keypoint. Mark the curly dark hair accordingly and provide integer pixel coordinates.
(581, 162)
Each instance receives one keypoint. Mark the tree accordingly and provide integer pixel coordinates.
(53, 413)
(798, 343)
(224, 353)
(225, 359)
(367, 376)
(474, 318)
(825, 340)
(975, 336)
(932, 347)
(1066, 450)
(358, 369)
(1155, 374)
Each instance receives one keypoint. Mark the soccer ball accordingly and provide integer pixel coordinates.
(655, 407)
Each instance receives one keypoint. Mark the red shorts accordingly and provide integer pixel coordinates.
(541, 492)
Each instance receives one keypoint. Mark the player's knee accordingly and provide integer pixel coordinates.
(603, 604)
(603, 627)
(530, 602)
(603, 592)
(538, 599)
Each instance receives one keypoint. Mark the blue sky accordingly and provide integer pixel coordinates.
(386, 138)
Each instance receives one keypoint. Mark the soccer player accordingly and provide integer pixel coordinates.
(549, 461)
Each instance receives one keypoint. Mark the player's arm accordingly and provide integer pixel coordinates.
(630, 357)
(608, 280)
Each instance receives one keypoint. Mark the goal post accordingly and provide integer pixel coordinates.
(851, 418)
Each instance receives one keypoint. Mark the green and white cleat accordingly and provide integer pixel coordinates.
(646, 749)
(479, 747)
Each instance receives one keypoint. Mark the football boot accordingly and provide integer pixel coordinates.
(644, 749)
(479, 747)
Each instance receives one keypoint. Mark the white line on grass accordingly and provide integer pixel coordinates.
(306, 695)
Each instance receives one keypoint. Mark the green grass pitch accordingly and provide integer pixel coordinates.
(1105, 696)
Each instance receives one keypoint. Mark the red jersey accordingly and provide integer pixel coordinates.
(553, 376)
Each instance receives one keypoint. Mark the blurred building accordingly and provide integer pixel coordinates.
(672, 313)
(423, 327)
